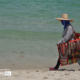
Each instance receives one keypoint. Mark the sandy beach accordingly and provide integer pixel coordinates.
(64, 73)
(42, 75)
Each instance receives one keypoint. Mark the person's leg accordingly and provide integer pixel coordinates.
(57, 66)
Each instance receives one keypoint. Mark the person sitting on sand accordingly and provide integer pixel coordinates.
(68, 34)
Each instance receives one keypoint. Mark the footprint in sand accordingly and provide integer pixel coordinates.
(45, 77)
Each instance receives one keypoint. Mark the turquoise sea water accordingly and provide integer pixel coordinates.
(29, 31)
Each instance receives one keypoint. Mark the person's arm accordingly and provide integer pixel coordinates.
(67, 36)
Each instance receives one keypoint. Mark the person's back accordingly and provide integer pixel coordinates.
(68, 33)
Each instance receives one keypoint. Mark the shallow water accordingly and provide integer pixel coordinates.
(29, 31)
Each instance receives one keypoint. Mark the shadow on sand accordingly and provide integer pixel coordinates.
(66, 70)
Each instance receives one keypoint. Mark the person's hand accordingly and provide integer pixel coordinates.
(58, 43)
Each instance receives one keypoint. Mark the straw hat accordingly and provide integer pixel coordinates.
(64, 17)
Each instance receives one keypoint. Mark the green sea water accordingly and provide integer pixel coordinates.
(29, 31)
(28, 48)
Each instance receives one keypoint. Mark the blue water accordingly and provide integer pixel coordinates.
(29, 31)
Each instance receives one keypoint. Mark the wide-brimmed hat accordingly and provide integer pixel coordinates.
(64, 17)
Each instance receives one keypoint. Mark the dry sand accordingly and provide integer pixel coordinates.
(70, 72)
(42, 75)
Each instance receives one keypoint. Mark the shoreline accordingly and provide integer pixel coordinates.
(74, 66)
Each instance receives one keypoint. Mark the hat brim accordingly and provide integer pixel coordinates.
(59, 19)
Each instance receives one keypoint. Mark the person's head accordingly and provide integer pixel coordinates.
(64, 20)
